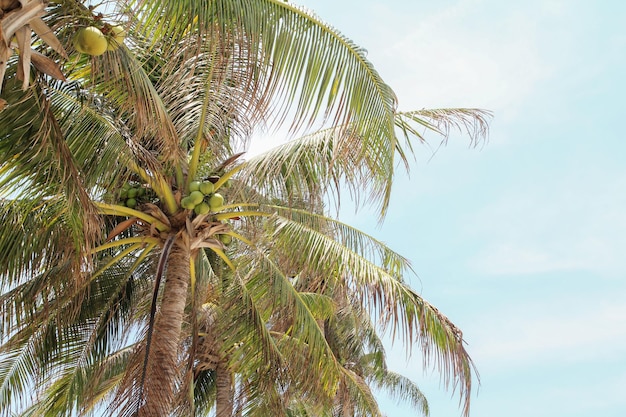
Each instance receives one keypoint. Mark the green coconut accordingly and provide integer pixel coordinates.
(206, 187)
(216, 201)
(202, 208)
(117, 34)
(196, 197)
(187, 203)
(90, 41)
(194, 186)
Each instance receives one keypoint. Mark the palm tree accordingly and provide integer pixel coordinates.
(160, 112)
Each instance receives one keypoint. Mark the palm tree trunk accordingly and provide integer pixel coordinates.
(162, 373)
(225, 394)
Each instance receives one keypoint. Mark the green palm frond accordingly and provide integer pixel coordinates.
(331, 160)
(78, 332)
(401, 309)
(204, 389)
(99, 379)
(402, 389)
(124, 82)
(101, 158)
(254, 333)
(337, 75)
(268, 284)
(351, 238)
(355, 397)
(36, 158)
(33, 237)
(473, 122)
(18, 369)
(326, 162)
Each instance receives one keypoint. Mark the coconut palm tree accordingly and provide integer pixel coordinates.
(160, 111)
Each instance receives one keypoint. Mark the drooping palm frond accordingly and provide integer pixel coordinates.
(349, 237)
(326, 162)
(69, 357)
(401, 389)
(360, 346)
(30, 233)
(123, 80)
(355, 397)
(336, 72)
(268, 284)
(36, 157)
(470, 121)
(333, 160)
(399, 308)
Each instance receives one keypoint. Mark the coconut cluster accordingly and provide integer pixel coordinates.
(130, 195)
(202, 198)
(94, 41)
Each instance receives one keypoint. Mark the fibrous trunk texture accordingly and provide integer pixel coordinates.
(163, 373)
(225, 393)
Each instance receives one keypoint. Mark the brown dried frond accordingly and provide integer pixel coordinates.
(18, 18)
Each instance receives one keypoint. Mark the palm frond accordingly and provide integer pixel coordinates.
(39, 160)
(355, 397)
(400, 308)
(351, 238)
(335, 159)
(473, 122)
(66, 353)
(403, 389)
(302, 334)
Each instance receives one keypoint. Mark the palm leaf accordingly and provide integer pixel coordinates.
(398, 306)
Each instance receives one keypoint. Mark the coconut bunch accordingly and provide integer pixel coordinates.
(131, 194)
(17, 19)
(94, 41)
(202, 197)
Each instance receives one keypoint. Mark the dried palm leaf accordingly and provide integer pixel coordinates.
(47, 35)
(17, 18)
(8, 5)
(19, 21)
(44, 64)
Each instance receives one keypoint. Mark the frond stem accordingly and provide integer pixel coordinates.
(117, 210)
(167, 248)
(197, 146)
(121, 242)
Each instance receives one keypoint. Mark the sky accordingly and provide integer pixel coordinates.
(519, 241)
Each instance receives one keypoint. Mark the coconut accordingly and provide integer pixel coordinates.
(117, 34)
(206, 187)
(194, 186)
(216, 202)
(91, 41)
(226, 239)
(196, 197)
(187, 203)
(202, 208)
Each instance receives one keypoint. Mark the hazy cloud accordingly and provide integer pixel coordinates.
(569, 223)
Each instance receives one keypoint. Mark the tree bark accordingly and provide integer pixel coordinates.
(225, 393)
(163, 374)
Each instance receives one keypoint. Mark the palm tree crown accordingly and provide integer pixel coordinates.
(148, 267)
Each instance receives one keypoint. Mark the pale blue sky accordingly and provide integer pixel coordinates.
(521, 242)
